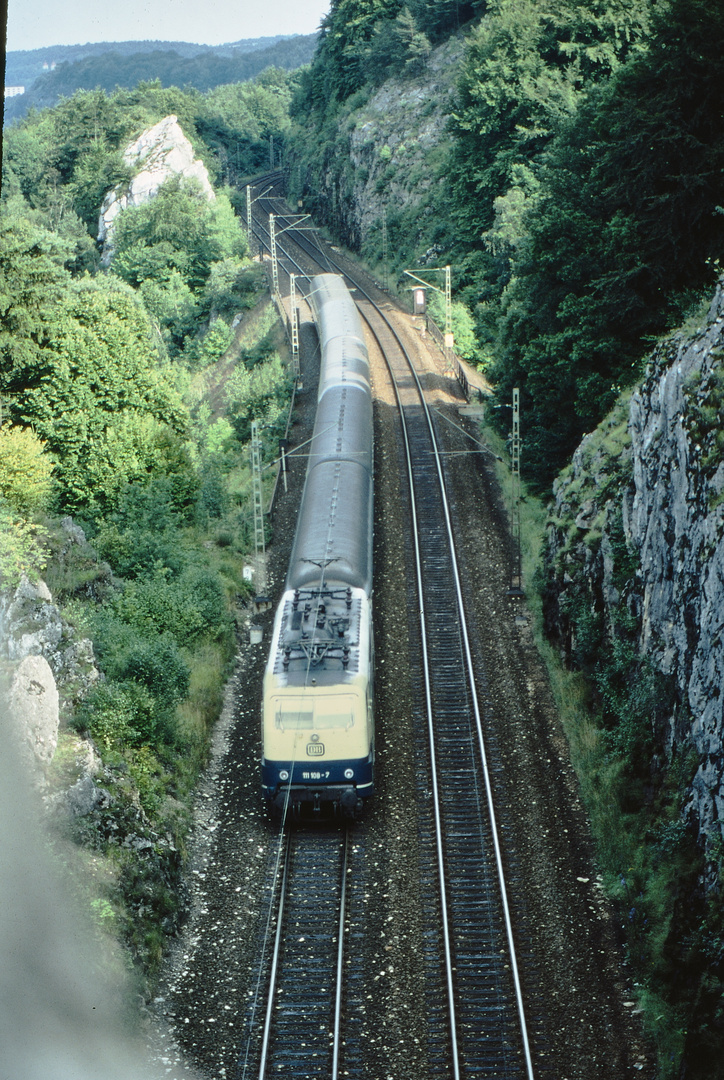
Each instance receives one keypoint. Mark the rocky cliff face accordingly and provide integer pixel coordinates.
(159, 152)
(386, 154)
(46, 665)
(636, 553)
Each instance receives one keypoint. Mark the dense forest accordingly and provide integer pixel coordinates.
(126, 398)
(581, 210)
(24, 66)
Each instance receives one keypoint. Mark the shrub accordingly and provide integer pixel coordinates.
(22, 549)
(123, 714)
(25, 471)
(186, 608)
(159, 667)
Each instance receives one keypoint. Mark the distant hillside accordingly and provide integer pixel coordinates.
(111, 64)
(24, 66)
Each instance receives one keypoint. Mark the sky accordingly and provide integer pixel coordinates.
(34, 24)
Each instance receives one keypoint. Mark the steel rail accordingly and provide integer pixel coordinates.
(447, 943)
(472, 686)
(340, 960)
(275, 962)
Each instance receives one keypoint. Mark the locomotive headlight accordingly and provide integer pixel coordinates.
(283, 775)
(348, 774)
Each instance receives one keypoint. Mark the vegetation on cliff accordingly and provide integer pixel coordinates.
(631, 603)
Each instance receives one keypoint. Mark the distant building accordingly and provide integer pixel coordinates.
(13, 91)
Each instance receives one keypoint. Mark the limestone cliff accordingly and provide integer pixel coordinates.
(47, 666)
(636, 555)
(159, 152)
(389, 153)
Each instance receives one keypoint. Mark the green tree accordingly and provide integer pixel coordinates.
(339, 64)
(171, 302)
(238, 119)
(98, 393)
(26, 471)
(32, 284)
(528, 66)
(262, 392)
(179, 229)
(625, 227)
(440, 18)
(232, 285)
(515, 89)
(27, 151)
(396, 47)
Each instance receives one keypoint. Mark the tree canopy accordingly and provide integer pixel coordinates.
(625, 231)
(96, 393)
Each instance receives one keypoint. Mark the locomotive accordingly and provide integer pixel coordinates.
(317, 712)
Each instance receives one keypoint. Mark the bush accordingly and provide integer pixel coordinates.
(203, 351)
(232, 286)
(25, 471)
(187, 608)
(123, 714)
(262, 393)
(159, 666)
(142, 534)
(22, 549)
(213, 496)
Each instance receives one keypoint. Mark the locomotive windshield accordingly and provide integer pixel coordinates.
(320, 714)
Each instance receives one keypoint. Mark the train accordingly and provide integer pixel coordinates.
(318, 733)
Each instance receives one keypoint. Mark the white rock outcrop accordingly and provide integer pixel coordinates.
(158, 153)
(32, 625)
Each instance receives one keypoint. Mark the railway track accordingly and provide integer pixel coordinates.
(296, 1025)
(483, 1017)
(477, 1024)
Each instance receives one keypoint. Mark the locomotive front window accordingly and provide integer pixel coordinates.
(333, 720)
(320, 714)
(333, 712)
(295, 720)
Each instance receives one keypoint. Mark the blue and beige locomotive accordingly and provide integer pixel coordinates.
(317, 723)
